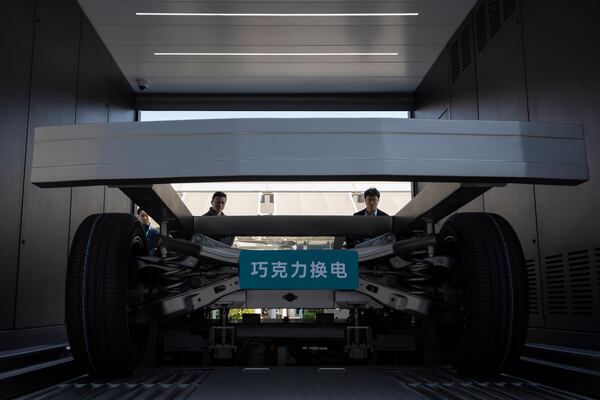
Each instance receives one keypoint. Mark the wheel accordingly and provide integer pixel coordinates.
(101, 285)
(489, 287)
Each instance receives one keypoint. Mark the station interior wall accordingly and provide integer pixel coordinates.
(56, 71)
(535, 60)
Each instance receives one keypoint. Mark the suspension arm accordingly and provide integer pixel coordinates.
(404, 301)
(185, 302)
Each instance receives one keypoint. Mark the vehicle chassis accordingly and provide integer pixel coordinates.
(404, 267)
(414, 251)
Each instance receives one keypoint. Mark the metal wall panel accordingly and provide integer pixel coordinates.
(500, 66)
(45, 223)
(463, 96)
(544, 70)
(121, 109)
(432, 99)
(122, 102)
(563, 83)
(463, 80)
(463, 85)
(501, 95)
(93, 91)
(16, 39)
(45, 82)
(432, 95)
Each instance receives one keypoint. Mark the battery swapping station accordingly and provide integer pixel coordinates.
(485, 285)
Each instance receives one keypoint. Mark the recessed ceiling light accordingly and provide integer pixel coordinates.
(166, 14)
(275, 54)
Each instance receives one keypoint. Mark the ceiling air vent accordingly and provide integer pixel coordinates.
(556, 285)
(481, 27)
(465, 47)
(580, 279)
(508, 6)
(534, 297)
(454, 61)
(495, 21)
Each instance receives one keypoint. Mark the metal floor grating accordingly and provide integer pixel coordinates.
(442, 383)
(300, 383)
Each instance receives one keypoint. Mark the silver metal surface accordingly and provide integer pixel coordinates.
(397, 299)
(353, 299)
(436, 201)
(317, 148)
(186, 302)
(203, 240)
(232, 300)
(386, 238)
(374, 252)
(225, 254)
(301, 383)
(163, 204)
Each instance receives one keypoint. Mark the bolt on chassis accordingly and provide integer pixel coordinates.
(464, 271)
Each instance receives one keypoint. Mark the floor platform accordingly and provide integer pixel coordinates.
(304, 383)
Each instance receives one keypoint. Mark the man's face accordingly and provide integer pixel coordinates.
(371, 202)
(144, 218)
(218, 204)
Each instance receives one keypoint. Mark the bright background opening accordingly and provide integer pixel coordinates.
(286, 198)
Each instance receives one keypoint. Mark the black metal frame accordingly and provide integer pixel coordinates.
(276, 102)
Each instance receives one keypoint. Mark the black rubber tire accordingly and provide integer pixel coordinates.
(100, 283)
(492, 282)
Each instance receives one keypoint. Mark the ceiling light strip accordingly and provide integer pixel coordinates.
(275, 54)
(277, 14)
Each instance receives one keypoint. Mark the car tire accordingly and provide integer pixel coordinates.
(489, 287)
(101, 286)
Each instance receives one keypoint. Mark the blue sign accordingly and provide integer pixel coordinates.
(298, 269)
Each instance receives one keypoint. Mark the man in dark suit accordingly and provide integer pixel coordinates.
(217, 205)
(371, 196)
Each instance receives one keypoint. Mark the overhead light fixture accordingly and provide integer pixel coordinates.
(275, 54)
(167, 14)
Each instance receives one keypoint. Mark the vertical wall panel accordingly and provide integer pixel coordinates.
(563, 81)
(463, 81)
(432, 95)
(45, 223)
(93, 91)
(463, 85)
(45, 82)
(121, 109)
(16, 40)
(502, 95)
(501, 87)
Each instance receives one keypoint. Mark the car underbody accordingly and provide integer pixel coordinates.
(464, 273)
